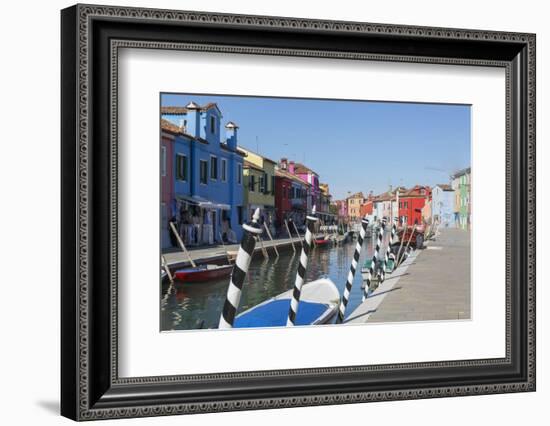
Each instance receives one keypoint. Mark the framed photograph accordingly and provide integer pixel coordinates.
(263, 212)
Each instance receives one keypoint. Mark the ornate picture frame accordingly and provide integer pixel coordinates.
(90, 39)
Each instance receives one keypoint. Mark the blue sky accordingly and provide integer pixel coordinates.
(353, 145)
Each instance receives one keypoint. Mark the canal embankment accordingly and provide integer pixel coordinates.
(219, 253)
(432, 284)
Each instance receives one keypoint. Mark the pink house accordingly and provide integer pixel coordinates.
(342, 206)
(166, 181)
(309, 176)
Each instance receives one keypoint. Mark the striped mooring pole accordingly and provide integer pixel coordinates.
(352, 269)
(382, 271)
(301, 274)
(240, 269)
(389, 254)
(373, 264)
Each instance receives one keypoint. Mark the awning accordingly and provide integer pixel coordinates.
(202, 202)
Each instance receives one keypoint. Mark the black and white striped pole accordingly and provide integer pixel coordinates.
(382, 271)
(373, 264)
(389, 254)
(240, 269)
(302, 265)
(352, 269)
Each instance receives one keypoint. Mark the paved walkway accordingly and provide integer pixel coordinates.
(434, 284)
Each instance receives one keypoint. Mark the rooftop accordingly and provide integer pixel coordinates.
(300, 168)
(283, 173)
(178, 110)
(169, 127)
(249, 165)
(259, 155)
(445, 186)
(462, 172)
(415, 191)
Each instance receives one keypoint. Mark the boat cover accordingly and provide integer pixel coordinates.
(275, 314)
(199, 268)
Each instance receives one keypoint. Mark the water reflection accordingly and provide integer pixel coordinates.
(191, 306)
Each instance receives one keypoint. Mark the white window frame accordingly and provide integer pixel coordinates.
(223, 175)
(251, 182)
(200, 172)
(178, 155)
(212, 168)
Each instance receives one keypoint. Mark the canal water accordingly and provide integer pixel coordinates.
(186, 306)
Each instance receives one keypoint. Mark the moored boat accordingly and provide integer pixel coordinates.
(322, 241)
(201, 273)
(318, 304)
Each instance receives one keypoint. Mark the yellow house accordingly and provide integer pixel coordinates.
(259, 185)
(354, 206)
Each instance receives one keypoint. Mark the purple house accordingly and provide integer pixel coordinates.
(311, 177)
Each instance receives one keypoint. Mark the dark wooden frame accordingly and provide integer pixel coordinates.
(91, 388)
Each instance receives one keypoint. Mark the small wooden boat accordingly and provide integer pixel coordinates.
(390, 267)
(202, 273)
(199, 273)
(322, 241)
(318, 304)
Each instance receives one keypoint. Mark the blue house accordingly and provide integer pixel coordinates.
(208, 174)
(443, 205)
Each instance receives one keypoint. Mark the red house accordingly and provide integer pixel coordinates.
(291, 194)
(366, 208)
(283, 187)
(412, 202)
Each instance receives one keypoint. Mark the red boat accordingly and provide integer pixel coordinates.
(203, 273)
(416, 240)
(321, 241)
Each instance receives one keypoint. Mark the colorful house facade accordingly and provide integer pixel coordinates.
(167, 200)
(366, 208)
(382, 205)
(259, 186)
(310, 177)
(411, 204)
(342, 210)
(207, 173)
(460, 183)
(324, 198)
(354, 206)
(290, 198)
(442, 206)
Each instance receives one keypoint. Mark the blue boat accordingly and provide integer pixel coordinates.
(318, 304)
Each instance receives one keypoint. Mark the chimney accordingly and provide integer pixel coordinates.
(182, 125)
(193, 122)
(291, 167)
(231, 135)
(284, 163)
